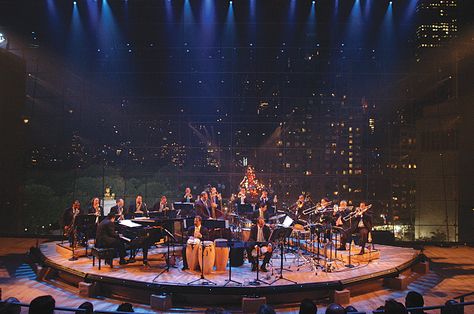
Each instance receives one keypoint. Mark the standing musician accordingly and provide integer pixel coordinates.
(264, 203)
(139, 208)
(96, 209)
(242, 197)
(362, 224)
(260, 233)
(69, 218)
(188, 197)
(325, 212)
(339, 213)
(118, 210)
(203, 206)
(198, 231)
(216, 203)
(106, 237)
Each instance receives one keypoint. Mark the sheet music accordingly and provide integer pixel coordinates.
(129, 223)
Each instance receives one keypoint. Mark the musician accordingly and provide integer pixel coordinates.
(259, 233)
(162, 205)
(203, 206)
(252, 197)
(339, 213)
(96, 209)
(363, 225)
(299, 206)
(68, 218)
(106, 237)
(139, 208)
(242, 197)
(188, 197)
(264, 204)
(198, 231)
(118, 210)
(216, 201)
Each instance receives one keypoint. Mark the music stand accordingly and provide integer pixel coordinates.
(167, 268)
(230, 244)
(350, 255)
(204, 280)
(184, 209)
(257, 280)
(281, 234)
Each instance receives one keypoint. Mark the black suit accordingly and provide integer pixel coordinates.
(68, 215)
(205, 235)
(203, 209)
(133, 208)
(363, 231)
(106, 237)
(253, 238)
(92, 210)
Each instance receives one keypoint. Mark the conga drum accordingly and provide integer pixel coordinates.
(209, 255)
(245, 234)
(192, 250)
(222, 254)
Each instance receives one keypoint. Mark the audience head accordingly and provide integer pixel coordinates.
(86, 306)
(394, 307)
(9, 308)
(449, 308)
(414, 299)
(335, 308)
(125, 307)
(350, 309)
(42, 305)
(265, 309)
(307, 306)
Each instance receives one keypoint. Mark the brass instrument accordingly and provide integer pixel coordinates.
(358, 211)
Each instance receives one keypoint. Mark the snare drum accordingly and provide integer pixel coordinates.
(222, 254)
(209, 256)
(192, 249)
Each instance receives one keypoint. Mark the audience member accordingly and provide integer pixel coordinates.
(307, 306)
(9, 308)
(42, 305)
(89, 307)
(265, 309)
(125, 307)
(394, 307)
(335, 308)
(449, 308)
(350, 309)
(414, 299)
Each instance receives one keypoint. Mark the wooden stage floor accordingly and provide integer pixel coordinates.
(390, 257)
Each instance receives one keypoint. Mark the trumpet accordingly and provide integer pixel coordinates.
(358, 211)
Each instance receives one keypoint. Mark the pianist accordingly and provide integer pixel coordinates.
(106, 237)
(198, 231)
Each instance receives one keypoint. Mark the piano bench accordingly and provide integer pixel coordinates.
(107, 254)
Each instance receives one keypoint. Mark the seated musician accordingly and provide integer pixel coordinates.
(342, 211)
(96, 209)
(363, 225)
(138, 208)
(162, 205)
(68, 220)
(188, 197)
(118, 210)
(203, 206)
(264, 204)
(259, 233)
(106, 237)
(198, 231)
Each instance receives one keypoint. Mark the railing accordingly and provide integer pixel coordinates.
(463, 296)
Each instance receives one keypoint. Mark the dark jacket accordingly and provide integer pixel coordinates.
(253, 233)
(105, 233)
(201, 210)
(133, 207)
(91, 210)
(115, 210)
(204, 232)
(67, 217)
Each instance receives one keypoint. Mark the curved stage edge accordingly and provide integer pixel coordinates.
(134, 283)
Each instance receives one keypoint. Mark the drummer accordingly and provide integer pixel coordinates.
(197, 231)
(260, 233)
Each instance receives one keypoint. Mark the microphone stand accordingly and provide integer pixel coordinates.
(231, 244)
(281, 240)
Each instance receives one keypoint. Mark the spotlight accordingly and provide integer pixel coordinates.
(314, 2)
(230, 2)
(75, 2)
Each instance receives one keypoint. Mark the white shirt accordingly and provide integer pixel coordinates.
(260, 237)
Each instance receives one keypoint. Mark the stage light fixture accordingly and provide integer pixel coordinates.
(3, 41)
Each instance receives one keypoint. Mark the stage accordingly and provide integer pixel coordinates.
(135, 282)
